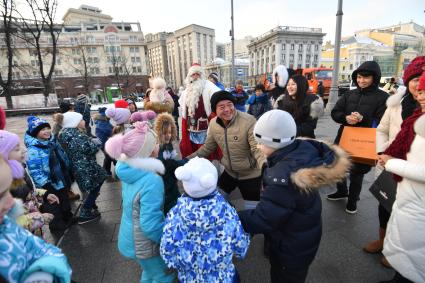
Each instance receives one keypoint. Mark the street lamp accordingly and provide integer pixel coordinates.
(333, 93)
(232, 34)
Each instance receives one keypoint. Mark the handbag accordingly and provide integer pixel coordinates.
(384, 189)
(360, 143)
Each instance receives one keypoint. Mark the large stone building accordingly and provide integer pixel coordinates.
(157, 55)
(93, 53)
(294, 47)
(241, 49)
(188, 45)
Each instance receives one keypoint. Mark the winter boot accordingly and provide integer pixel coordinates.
(377, 245)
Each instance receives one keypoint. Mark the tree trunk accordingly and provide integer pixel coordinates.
(8, 95)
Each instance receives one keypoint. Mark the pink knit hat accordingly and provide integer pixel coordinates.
(118, 115)
(141, 116)
(8, 141)
(139, 142)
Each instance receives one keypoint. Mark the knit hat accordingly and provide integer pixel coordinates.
(282, 74)
(421, 84)
(82, 98)
(35, 125)
(213, 76)
(139, 142)
(121, 103)
(219, 96)
(414, 69)
(275, 129)
(8, 141)
(118, 115)
(141, 116)
(102, 111)
(199, 177)
(157, 94)
(71, 119)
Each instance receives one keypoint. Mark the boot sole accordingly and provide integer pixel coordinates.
(351, 211)
(85, 221)
(341, 198)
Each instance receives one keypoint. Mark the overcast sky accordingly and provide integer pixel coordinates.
(255, 17)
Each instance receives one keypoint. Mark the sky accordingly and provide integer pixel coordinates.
(255, 17)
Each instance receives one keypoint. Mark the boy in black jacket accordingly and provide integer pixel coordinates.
(289, 211)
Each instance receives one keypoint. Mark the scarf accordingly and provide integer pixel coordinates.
(402, 142)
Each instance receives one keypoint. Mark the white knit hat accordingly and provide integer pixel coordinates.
(158, 92)
(71, 119)
(276, 129)
(199, 177)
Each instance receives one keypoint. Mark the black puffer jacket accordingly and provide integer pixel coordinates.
(369, 102)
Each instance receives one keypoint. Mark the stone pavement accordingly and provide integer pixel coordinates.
(94, 257)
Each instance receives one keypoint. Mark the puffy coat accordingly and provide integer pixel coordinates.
(47, 162)
(369, 102)
(200, 238)
(404, 245)
(82, 152)
(103, 128)
(258, 105)
(24, 253)
(289, 211)
(241, 157)
(241, 98)
(142, 218)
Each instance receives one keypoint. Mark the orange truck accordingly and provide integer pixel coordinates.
(316, 75)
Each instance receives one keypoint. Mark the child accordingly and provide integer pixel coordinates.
(104, 132)
(160, 100)
(25, 257)
(142, 220)
(203, 231)
(23, 188)
(141, 116)
(48, 166)
(165, 129)
(289, 211)
(82, 152)
(119, 119)
(259, 103)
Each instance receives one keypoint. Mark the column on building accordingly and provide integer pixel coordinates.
(304, 61)
(278, 54)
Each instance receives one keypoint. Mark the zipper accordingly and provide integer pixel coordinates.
(227, 148)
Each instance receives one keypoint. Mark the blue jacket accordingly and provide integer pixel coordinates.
(220, 85)
(142, 218)
(83, 109)
(241, 98)
(289, 211)
(103, 128)
(47, 162)
(200, 238)
(25, 253)
(258, 105)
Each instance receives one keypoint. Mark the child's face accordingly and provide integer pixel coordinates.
(267, 151)
(44, 134)
(6, 199)
(167, 134)
(421, 99)
(82, 125)
(17, 154)
(258, 92)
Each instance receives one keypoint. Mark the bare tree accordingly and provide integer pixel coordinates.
(7, 28)
(43, 15)
(124, 69)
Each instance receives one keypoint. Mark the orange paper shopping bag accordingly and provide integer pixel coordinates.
(360, 143)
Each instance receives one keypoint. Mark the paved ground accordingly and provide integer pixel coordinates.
(93, 255)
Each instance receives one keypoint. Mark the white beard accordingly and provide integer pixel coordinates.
(193, 92)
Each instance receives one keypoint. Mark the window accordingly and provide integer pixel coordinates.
(96, 60)
(292, 46)
(308, 47)
(316, 47)
(343, 68)
(300, 47)
(90, 39)
(133, 38)
(316, 57)
(273, 48)
(300, 57)
(284, 46)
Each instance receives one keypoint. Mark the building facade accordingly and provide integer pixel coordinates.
(221, 50)
(157, 55)
(241, 49)
(224, 71)
(188, 45)
(294, 47)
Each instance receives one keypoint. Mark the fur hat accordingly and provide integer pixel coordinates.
(139, 142)
(421, 84)
(282, 74)
(141, 116)
(118, 115)
(199, 177)
(8, 141)
(165, 120)
(71, 119)
(82, 98)
(195, 69)
(121, 103)
(35, 125)
(219, 96)
(276, 129)
(414, 69)
(102, 111)
(157, 94)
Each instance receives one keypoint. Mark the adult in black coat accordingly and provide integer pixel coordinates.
(360, 107)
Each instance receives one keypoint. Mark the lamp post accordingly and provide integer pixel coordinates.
(232, 34)
(333, 93)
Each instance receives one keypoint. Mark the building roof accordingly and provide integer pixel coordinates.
(362, 40)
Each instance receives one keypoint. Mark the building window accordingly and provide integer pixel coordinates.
(300, 47)
(284, 46)
(343, 77)
(308, 47)
(299, 66)
(316, 57)
(133, 38)
(343, 68)
(292, 46)
(300, 57)
(316, 47)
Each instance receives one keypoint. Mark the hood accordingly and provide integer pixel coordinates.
(31, 141)
(204, 214)
(370, 66)
(132, 169)
(308, 179)
(395, 99)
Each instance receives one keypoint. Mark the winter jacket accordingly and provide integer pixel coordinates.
(200, 238)
(82, 153)
(241, 157)
(258, 105)
(84, 109)
(219, 85)
(404, 245)
(369, 102)
(142, 218)
(241, 98)
(24, 253)
(309, 112)
(103, 128)
(47, 163)
(289, 211)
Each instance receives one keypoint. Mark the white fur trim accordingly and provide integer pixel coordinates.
(283, 75)
(420, 126)
(317, 108)
(193, 70)
(208, 91)
(159, 83)
(149, 164)
(395, 100)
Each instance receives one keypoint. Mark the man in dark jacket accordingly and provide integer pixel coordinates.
(82, 106)
(360, 107)
(289, 211)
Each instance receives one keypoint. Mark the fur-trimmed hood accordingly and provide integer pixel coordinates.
(309, 179)
(158, 107)
(395, 100)
(161, 120)
(100, 117)
(132, 169)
